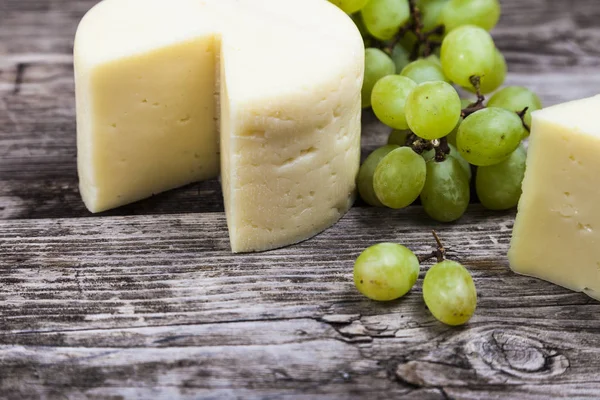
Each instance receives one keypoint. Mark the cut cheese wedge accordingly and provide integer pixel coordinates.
(556, 235)
(266, 91)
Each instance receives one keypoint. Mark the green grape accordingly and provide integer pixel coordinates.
(464, 164)
(408, 41)
(489, 136)
(435, 59)
(377, 65)
(399, 177)
(365, 174)
(424, 71)
(449, 293)
(482, 13)
(451, 137)
(446, 194)
(467, 51)
(350, 6)
(401, 57)
(432, 110)
(360, 25)
(388, 100)
(432, 13)
(499, 186)
(383, 18)
(385, 271)
(430, 154)
(516, 98)
(398, 137)
(496, 78)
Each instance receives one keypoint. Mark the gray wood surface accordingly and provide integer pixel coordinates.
(146, 301)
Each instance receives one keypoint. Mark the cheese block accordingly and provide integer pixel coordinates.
(266, 91)
(556, 235)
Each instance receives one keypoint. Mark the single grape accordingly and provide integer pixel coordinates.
(356, 18)
(434, 59)
(516, 98)
(432, 110)
(432, 13)
(401, 57)
(388, 100)
(449, 293)
(350, 6)
(430, 154)
(398, 137)
(496, 77)
(446, 194)
(365, 174)
(499, 186)
(466, 102)
(399, 177)
(383, 18)
(377, 65)
(423, 70)
(451, 137)
(468, 51)
(385, 271)
(489, 136)
(464, 164)
(482, 13)
(408, 41)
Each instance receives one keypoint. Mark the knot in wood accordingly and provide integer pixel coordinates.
(516, 355)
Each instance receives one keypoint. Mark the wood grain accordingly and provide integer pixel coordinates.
(146, 301)
(156, 305)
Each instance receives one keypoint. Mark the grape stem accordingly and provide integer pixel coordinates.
(439, 253)
(417, 144)
(521, 115)
(478, 105)
(442, 149)
(415, 25)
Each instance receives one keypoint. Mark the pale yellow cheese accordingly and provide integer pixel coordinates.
(145, 78)
(287, 76)
(556, 235)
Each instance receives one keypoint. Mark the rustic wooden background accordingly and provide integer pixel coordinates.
(147, 302)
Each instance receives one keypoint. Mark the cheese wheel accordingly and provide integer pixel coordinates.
(266, 91)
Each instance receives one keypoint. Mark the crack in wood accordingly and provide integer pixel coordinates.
(19, 77)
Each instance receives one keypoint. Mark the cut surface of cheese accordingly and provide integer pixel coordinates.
(145, 79)
(556, 235)
(156, 80)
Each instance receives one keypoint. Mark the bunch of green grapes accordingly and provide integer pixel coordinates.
(388, 271)
(440, 141)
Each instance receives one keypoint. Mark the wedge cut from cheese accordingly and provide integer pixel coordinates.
(556, 235)
(266, 91)
(145, 80)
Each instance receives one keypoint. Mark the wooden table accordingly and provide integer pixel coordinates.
(147, 301)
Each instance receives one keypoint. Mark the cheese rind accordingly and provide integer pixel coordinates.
(556, 235)
(291, 135)
(287, 77)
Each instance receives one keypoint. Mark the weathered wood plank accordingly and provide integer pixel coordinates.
(156, 305)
